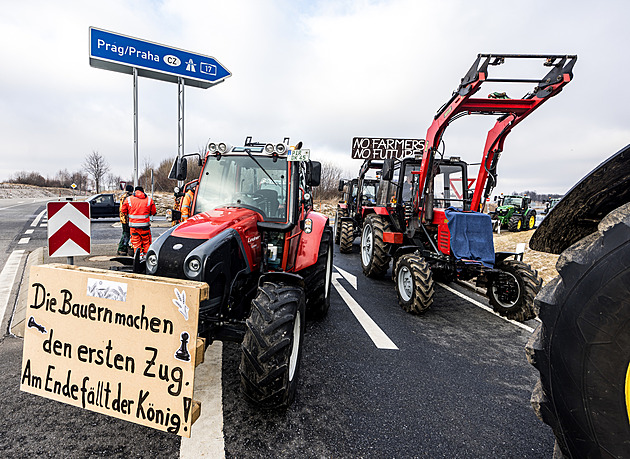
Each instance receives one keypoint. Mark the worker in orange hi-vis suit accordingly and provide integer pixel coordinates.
(139, 207)
(187, 202)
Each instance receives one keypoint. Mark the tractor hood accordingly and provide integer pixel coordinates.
(209, 224)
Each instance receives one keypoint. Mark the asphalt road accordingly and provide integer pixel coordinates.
(453, 382)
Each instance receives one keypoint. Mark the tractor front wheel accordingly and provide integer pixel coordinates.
(414, 283)
(272, 347)
(582, 347)
(340, 213)
(347, 237)
(374, 256)
(515, 223)
(513, 289)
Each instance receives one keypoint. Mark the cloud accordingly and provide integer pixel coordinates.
(322, 72)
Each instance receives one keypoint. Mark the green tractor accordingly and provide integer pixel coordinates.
(514, 213)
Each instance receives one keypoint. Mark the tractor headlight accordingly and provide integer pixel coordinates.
(212, 147)
(281, 148)
(223, 147)
(152, 261)
(194, 265)
(269, 148)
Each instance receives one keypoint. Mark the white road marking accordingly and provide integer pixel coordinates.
(484, 307)
(206, 437)
(7, 279)
(24, 240)
(38, 218)
(29, 231)
(351, 278)
(378, 336)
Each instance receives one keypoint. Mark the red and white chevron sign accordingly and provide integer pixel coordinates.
(68, 229)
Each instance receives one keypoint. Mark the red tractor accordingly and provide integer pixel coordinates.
(359, 196)
(266, 255)
(427, 216)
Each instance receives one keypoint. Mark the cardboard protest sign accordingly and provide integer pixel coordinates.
(120, 344)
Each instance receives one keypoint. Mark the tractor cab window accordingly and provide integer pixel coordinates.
(409, 181)
(513, 201)
(239, 181)
(368, 193)
(448, 186)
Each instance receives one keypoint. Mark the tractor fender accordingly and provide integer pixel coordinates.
(375, 210)
(579, 212)
(280, 276)
(309, 240)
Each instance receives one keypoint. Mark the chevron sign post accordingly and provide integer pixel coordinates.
(68, 229)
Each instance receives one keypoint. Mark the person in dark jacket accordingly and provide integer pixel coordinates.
(123, 245)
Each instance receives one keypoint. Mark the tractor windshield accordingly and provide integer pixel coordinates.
(238, 181)
(513, 201)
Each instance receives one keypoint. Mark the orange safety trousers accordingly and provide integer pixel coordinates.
(141, 239)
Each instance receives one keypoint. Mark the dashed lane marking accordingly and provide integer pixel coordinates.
(484, 307)
(24, 240)
(29, 231)
(38, 218)
(351, 278)
(7, 279)
(378, 336)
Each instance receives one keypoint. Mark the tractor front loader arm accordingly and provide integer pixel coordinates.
(510, 112)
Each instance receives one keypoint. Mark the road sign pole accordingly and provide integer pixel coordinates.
(180, 123)
(135, 127)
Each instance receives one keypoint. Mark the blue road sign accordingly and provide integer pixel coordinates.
(120, 53)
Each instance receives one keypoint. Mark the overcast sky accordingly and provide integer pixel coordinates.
(318, 71)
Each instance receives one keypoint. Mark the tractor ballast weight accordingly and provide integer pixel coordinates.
(581, 348)
(413, 225)
(266, 255)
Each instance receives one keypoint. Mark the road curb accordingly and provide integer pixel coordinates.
(18, 319)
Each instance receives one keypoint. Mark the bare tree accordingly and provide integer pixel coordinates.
(328, 187)
(96, 166)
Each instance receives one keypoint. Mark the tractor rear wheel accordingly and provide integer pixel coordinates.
(515, 223)
(347, 237)
(317, 279)
(374, 256)
(582, 347)
(272, 347)
(513, 290)
(340, 213)
(414, 283)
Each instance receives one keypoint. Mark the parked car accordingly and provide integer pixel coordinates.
(104, 205)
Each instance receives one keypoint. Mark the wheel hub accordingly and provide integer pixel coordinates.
(366, 245)
(405, 283)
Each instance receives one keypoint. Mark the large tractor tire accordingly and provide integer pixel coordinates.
(338, 215)
(374, 256)
(317, 279)
(582, 347)
(347, 237)
(512, 292)
(272, 347)
(414, 283)
(515, 223)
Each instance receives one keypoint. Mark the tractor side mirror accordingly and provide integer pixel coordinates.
(179, 169)
(388, 169)
(314, 174)
(342, 184)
